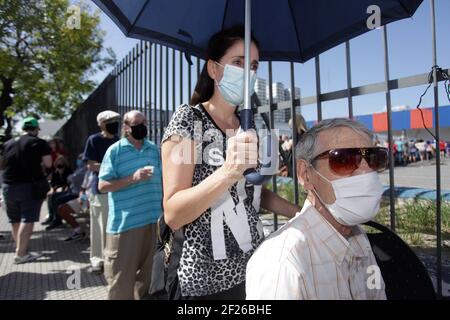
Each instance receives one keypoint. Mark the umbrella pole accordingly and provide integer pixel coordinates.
(246, 113)
(247, 43)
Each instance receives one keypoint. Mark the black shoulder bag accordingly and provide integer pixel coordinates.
(164, 284)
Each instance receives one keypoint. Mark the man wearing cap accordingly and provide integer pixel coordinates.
(131, 173)
(95, 149)
(23, 160)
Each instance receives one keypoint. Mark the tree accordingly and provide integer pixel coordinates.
(48, 52)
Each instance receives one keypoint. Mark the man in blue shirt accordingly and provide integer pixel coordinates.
(131, 173)
(95, 149)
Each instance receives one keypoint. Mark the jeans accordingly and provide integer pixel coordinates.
(55, 200)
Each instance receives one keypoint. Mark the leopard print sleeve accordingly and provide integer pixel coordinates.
(182, 124)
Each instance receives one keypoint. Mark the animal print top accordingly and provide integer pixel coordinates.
(199, 274)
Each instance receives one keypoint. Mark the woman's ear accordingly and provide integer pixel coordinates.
(303, 174)
(211, 68)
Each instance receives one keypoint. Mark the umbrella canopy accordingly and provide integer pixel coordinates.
(288, 30)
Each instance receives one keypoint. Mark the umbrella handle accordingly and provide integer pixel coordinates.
(251, 175)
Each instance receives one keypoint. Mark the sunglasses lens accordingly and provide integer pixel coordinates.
(344, 161)
(377, 158)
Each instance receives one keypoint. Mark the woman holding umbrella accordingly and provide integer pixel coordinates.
(204, 158)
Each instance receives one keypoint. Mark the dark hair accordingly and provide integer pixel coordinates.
(217, 47)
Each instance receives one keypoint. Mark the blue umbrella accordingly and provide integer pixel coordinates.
(295, 30)
(287, 30)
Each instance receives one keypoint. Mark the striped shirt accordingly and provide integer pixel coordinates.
(138, 204)
(308, 259)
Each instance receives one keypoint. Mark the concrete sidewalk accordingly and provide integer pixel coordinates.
(50, 277)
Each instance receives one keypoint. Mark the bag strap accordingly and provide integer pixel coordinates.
(197, 112)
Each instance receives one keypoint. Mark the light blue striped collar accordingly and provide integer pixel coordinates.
(124, 142)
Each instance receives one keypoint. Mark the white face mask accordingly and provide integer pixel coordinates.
(357, 198)
(231, 86)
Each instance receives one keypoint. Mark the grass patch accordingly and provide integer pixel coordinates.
(416, 221)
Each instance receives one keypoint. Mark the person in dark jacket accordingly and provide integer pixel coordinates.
(23, 160)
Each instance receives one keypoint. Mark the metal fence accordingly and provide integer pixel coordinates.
(84, 120)
(155, 79)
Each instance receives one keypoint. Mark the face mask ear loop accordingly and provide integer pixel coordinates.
(219, 64)
(314, 189)
(320, 174)
(215, 81)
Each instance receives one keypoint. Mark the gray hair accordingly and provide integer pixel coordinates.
(130, 114)
(307, 146)
(127, 117)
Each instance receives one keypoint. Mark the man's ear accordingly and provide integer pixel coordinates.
(211, 68)
(303, 174)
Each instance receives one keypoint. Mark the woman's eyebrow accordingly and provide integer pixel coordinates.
(242, 57)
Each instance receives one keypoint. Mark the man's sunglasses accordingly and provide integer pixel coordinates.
(344, 161)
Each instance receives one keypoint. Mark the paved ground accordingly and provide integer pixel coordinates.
(47, 278)
(420, 175)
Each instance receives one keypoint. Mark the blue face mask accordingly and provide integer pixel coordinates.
(231, 86)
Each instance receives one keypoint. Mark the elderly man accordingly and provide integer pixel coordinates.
(131, 173)
(95, 149)
(323, 253)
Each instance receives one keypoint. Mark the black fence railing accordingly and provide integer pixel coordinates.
(84, 120)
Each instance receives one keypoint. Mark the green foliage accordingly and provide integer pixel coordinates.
(416, 220)
(49, 62)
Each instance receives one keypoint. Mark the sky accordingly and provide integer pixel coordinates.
(410, 53)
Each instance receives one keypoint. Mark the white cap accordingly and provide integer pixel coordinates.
(107, 115)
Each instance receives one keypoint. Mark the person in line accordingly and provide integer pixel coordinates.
(59, 192)
(205, 192)
(131, 174)
(79, 182)
(24, 161)
(323, 253)
(95, 149)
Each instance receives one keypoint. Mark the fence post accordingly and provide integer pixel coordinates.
(173, 81)
(181, 78)
(349, 79)
(155, 94)
(166, 115)
(272, 123)
(438, 153)
(318, 89)
(294, 135)
(389, 120)
(160, 93)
